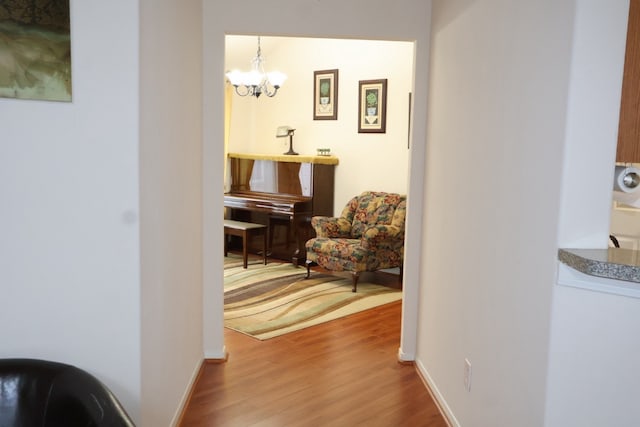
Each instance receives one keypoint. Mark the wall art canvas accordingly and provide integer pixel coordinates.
(325, 95)
(372, 106)
(35, 49)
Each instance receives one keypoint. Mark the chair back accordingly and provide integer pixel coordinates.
(375, 207)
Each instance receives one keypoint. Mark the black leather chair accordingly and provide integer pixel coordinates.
(39, 393)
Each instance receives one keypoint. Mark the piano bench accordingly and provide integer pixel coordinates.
(245, 230)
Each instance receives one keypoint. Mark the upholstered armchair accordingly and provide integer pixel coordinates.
(368, 236)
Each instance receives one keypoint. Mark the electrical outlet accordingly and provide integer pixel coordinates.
(467, 375)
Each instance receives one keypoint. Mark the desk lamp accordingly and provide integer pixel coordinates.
(287, 131)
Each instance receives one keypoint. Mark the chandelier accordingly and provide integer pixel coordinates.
(256, 82)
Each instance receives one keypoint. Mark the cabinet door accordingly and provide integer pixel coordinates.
(629, 128)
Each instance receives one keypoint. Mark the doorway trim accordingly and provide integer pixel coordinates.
(294, 21)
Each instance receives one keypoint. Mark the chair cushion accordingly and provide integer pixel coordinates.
(337, 254)
(350, 255)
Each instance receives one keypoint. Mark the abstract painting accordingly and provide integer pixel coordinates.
(35, 49)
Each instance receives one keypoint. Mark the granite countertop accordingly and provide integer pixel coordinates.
(612, 263)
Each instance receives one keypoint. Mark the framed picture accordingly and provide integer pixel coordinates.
(325, 95)
(35, 52)
(372, 106)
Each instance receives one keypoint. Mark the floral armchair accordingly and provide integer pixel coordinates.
(368, 236)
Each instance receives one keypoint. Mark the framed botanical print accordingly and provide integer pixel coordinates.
(325, 95)
(372, 106)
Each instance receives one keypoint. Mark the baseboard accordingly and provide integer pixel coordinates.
(221, 355)
(405, 357)
(186, 397)
(437, 397)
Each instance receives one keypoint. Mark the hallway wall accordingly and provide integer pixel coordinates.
(69, 217)
(497, 117)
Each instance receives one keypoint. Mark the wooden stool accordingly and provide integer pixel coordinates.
(245, 230)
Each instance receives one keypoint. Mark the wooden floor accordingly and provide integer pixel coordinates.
(340, 373)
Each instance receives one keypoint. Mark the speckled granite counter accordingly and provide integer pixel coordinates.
(612, 263)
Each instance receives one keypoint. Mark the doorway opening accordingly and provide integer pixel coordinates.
(366, 161)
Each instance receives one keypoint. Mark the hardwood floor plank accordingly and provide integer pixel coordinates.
(340, 373)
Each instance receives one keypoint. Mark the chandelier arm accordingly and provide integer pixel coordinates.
(247, 91)
(272, 93)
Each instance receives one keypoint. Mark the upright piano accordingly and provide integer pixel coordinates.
(282, 192)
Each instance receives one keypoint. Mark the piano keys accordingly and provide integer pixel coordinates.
(281, 190)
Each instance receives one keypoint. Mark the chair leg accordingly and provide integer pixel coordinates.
(354, 277)
(245, 248)
(308, 264)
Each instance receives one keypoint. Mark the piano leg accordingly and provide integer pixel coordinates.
(295, 259)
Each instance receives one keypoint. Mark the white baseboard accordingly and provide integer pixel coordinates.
(445, 410)
(187, 393)
(405, 357)
(217, 355)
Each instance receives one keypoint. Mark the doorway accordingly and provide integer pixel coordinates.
(296, 21)
(253, 122)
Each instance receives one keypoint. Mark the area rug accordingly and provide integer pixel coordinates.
(266, 301)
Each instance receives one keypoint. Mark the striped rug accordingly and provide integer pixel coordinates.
(272, 300)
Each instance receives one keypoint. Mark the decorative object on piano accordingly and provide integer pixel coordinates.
(325, 95)
(323, 151)
(287, 131)
(368, 236)
(372, 106)
(256, 82)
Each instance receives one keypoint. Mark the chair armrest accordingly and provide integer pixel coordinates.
(326, 226)
(382, 235)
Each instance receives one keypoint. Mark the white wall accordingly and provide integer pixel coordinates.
(75, 216)
(367, 161)
(592, 123)
(69, 251)
(496, 127)
(171, 204)
(593, 373)
(401, 20)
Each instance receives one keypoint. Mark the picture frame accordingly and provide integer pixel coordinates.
(372, 106)
(36, 45)
(325, 95)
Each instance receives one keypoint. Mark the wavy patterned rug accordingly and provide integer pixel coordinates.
(272, 300)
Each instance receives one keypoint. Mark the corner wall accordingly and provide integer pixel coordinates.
(593, 375)
(171, 205)
(69, 252)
